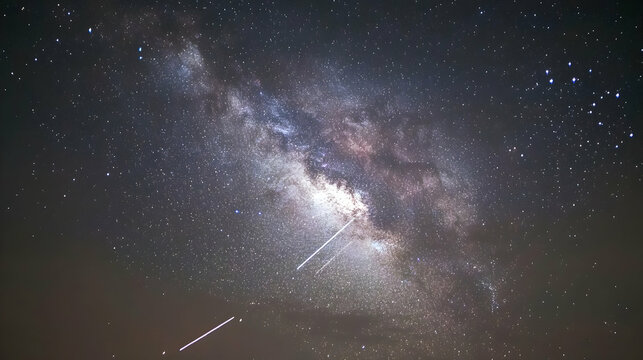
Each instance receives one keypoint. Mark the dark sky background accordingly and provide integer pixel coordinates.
(167, 166)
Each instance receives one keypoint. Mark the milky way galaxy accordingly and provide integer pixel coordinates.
(306, 158)
(456, 170)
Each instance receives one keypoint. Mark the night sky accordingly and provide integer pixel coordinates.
(475, 171)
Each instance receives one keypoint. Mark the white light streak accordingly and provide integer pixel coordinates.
(206, 334)
(333, 258)
(326, 243)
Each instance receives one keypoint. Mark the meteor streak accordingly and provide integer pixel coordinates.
(206, 334)
(333, 258)
(327, 241)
